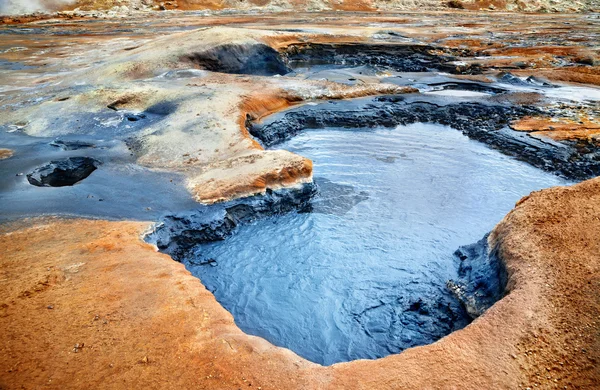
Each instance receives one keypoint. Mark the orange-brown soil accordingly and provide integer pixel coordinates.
(87, 304)
(195, 4)
(484, 4)
(5, 153)
(559, 129)
(352, 5)
(20, 19)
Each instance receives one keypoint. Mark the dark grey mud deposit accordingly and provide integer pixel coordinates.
(466, 86)
(479, 120)
(72, 145)
(177, 234)
(260, 59)
(254, 59)
(481, 279)
(364, 266)
(116, 189)
(398, 57)
(63, 173)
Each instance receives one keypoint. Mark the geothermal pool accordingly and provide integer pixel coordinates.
(363, 274)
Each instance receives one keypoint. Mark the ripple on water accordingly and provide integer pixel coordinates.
(363, 275)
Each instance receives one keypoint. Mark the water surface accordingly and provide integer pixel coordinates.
(363, 275)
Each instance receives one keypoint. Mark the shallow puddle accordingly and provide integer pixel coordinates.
(363, 275)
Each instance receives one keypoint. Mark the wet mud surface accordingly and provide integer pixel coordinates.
(398, 57)
(154, 124)
(365, 268)
(481, 121)
(116, 188)
(258, 59)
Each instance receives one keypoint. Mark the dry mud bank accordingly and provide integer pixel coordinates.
(77, 295)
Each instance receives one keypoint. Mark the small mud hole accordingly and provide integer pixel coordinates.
(367, 267)
(63, 172)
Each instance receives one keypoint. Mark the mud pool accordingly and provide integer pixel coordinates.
(118, 189)
(363, 274)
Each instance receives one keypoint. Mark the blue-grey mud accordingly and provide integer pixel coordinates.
(359, 264)
(211, 137)
(116, 188)
(363, 272)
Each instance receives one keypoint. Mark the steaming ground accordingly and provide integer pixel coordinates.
(16, 7)
(124, 7)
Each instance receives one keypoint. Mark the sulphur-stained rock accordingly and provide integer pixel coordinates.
(62, 173)
(554, 124)
(559, 129)
(250, 174)
(5, 153)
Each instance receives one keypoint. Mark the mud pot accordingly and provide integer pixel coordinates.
(335, 184)
(362, 270)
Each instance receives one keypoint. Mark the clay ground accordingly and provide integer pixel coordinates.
(88, 304)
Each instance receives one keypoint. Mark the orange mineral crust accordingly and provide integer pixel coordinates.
(5, 153)
(559, 129)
